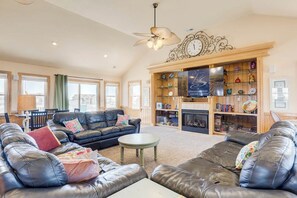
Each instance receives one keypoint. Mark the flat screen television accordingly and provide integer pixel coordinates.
(198, 82)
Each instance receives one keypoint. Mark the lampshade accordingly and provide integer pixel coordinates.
(26, 102)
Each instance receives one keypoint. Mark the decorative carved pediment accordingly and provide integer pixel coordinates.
(210, 44)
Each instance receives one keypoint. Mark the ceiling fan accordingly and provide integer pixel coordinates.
(158, 37)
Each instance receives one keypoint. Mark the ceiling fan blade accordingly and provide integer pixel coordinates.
(161, 32)
(141, 42)
(171, 40)
(143, 34)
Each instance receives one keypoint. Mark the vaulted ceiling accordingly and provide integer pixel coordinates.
(86, 30)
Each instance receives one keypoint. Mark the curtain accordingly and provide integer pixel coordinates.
(61, 92)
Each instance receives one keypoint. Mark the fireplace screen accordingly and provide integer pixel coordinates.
(195, 121)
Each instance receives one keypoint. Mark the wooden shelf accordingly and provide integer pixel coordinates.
(235, 113)
(163, 125)
(172, 87)
(232, 83)
(242, 71)
(176, 110)
(219, 133)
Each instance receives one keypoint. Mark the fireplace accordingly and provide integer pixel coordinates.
(195, 121)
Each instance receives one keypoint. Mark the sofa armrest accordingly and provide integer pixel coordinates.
(242, 138)
(216, 191)
(180, 181)
(136, 123)
(57, 127)
(61, 136)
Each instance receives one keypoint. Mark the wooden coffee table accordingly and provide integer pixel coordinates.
(138, 141)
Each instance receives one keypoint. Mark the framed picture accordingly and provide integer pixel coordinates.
(280, 104)
(279, 94)
(279, 84)
(159, 105)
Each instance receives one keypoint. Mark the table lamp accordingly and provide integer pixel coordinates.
(26, 102)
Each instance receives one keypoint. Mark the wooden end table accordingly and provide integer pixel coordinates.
(138, 141)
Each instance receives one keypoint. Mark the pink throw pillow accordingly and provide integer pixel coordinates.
(73, 125)
(45, 138)
(123, 120)
(80, 165)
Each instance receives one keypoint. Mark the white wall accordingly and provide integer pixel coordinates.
(244, 32)
(50, 71)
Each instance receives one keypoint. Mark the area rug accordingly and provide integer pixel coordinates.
(175, 147)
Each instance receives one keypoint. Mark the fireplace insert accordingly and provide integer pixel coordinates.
(195, 121)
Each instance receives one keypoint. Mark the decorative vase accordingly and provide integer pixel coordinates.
(229, 91)
(253, 65)
(237, 80)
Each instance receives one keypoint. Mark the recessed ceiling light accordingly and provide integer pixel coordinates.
(105, 56)
(54, 43)
(114, 67)
(189, 30)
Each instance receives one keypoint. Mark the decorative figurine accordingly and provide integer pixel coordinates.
(240, 92)
(237, 80)
(229, 91)
(251, 78)
(253, 65)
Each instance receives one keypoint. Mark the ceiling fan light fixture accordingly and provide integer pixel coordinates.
(150, 43)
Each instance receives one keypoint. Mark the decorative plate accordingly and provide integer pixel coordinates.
(170, 93)
(249, 106)
(252, 90)
(163, 76)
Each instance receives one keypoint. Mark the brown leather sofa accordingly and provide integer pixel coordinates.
(270, 172)
(26, 171)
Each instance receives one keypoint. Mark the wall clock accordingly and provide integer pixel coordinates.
(194, 47)
(198, 44)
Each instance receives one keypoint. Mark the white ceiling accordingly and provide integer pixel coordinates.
(85, 30)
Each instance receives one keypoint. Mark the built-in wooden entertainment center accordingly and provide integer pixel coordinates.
(233, 109)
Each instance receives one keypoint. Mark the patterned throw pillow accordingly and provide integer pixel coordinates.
(245, 153)
(123, 120)
(80, 165)
(73, 125)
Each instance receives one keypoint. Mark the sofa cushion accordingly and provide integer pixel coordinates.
(59, 118)
(211, 172)
(87, 134)
(126, 128)
(96, 120)
(245, 153)
(109, 130)
(112, 116)
(35, 168)
(270, 166)
(241, 137)
(45, 138)
(65, 147)
(11, 136)
(223, 153)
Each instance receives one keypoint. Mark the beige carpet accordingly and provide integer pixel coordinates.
(175, 147)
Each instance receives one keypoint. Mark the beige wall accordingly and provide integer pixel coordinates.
(244, 32)
(50, 71)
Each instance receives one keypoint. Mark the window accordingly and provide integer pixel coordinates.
(4, 92)
(37, 85)
(83, 95)
(134, 94)
(112, 95)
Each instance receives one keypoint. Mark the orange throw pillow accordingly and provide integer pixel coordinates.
(45, 138)
(80, 165)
